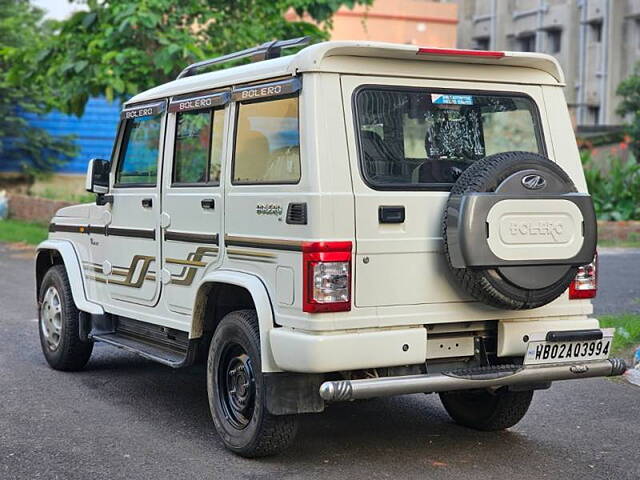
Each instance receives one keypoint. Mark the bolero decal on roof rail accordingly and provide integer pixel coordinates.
(143, 110)
(264, 90)
(199, 101)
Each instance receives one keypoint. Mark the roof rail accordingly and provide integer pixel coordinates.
(265, 51)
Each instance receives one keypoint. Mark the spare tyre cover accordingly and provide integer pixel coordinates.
(515, 230)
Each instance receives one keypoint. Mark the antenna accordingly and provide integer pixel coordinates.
(265, 51)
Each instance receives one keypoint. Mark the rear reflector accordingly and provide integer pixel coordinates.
(585, 285)
(460, 52)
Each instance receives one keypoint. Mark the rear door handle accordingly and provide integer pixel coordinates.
(208, 203)
(391, 214)
(147, 202)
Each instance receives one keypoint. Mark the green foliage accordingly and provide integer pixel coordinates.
(616, 193)
(627, 329)
(629, 90)
(16, 231)
(118, 49)
(22, 30)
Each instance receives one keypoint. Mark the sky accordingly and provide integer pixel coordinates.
(57, 9)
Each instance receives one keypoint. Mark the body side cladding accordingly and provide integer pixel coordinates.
(72, 264)
(261, 300)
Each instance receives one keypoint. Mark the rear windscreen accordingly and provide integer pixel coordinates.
(415, 138)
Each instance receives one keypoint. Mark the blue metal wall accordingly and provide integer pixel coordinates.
(95, 132)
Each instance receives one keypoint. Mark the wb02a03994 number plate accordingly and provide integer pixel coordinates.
(541, 351)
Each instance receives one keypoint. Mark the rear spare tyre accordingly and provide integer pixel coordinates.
(515, 230)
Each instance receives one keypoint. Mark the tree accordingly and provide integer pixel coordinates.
(629, 90)
(118, 48)
(33, 148)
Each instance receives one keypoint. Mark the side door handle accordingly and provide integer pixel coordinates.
(147, 202)
(208, 203)
(391, 214)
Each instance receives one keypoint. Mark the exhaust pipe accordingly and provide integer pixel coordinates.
(483, 377)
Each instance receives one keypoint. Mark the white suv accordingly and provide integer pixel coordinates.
(355, 220)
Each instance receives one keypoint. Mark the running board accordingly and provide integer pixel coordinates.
(477, 378)
(160, 344)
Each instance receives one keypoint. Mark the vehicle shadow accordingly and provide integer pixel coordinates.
(384, 432)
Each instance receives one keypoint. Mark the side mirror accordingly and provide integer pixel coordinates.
(98, 176)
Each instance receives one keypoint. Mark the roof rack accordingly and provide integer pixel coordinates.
(265, 51)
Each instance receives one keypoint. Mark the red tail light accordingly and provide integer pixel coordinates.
(585, 285)
(326, 277)
(460, 52)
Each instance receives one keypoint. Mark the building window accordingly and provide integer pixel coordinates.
(527, 43)
(594, 115)
(554, 40)
(596, 31)
(481, 43)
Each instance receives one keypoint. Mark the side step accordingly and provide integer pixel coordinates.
(167, 346)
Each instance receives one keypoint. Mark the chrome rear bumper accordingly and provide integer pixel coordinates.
(484, 377)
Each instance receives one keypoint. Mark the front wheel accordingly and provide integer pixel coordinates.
(487, 411)
(237, 393)
(59, 323)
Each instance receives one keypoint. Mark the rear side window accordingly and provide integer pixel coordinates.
(267, 147)
(139, 158)
(420, 139)
(198, 147)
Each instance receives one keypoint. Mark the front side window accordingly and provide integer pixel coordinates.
(416, 138)
(139, 158)
(267, 147)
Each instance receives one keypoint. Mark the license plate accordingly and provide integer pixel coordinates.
(541, 351)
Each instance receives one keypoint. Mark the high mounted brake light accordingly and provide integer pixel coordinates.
(585, 285)
(326, 277)
(459, 52)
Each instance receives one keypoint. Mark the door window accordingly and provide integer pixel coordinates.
(198, 147)
(267, 147)
(138, 164)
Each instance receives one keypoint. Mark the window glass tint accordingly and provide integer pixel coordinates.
(216, 146)
(139, 158)
(193, 140)
(416, 138)
(267, 147)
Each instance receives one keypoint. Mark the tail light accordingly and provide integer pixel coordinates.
(326, 280)
(459, 52)
(585, 285)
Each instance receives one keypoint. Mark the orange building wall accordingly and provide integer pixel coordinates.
(418, 22)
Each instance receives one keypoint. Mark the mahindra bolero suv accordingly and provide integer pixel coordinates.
(351, 221)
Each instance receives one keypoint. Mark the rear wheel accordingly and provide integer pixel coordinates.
(487, 411)
(59, 323)
(237, 394)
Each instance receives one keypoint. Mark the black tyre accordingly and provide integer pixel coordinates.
(487, 411)
(502, 287)
(58, 323)
(237, 393)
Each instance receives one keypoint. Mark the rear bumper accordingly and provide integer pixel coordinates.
(308, 352)
(480, 378)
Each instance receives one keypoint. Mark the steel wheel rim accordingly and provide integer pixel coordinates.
(236, 386)
(51, 318)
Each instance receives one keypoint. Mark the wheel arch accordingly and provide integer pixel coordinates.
(223, 291)
(62, 252)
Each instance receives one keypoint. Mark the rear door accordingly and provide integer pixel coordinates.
(409, 140)
(192, 195)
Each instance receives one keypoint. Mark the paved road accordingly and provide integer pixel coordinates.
(125, 417)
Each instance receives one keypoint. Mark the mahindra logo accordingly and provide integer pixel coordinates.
(533, 182)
